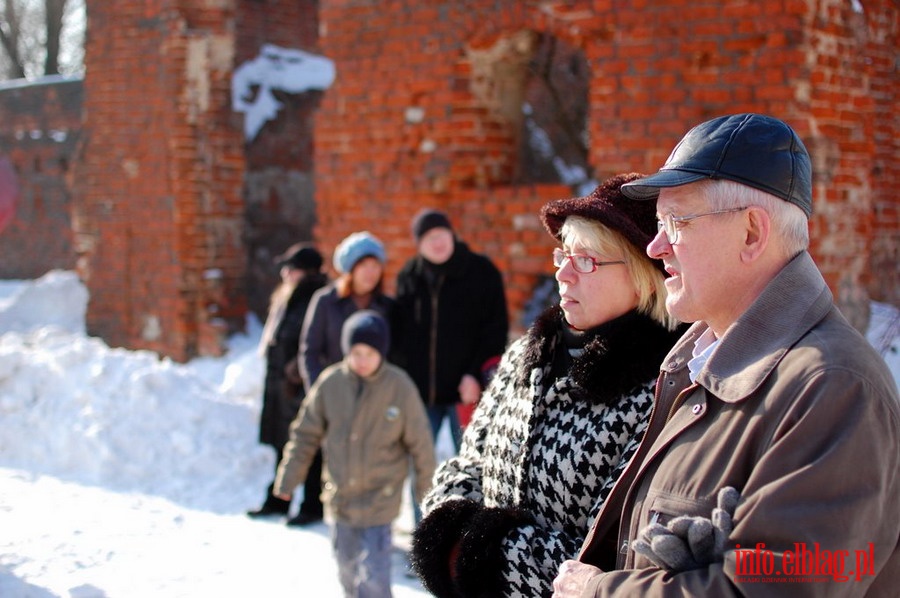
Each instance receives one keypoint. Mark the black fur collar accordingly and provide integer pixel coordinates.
(621, 354)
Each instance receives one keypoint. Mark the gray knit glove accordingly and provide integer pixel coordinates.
(690, 542)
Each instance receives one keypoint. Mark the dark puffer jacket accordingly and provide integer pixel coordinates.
(539, 456)
(452, 327)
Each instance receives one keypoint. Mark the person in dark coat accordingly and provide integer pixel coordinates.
(562, 416)
(301, 275)
(452, 319)
(359, 259)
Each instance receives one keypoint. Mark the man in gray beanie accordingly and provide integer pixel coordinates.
(776, 427)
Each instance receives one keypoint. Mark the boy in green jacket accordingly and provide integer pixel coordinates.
(368, 418)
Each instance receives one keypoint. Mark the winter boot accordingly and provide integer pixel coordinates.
(302, 519)
(273, 506)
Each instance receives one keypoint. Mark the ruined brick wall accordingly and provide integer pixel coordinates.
(426, 111)
(852, 126)
(157, 187)
(880, 30)
(40, 124)
(412, 119)
(175, 216)
(279, 183)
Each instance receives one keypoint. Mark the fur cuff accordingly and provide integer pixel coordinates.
(434, 539)
(481, 560)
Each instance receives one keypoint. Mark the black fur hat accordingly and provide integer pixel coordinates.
(634, 220)
(302, 256)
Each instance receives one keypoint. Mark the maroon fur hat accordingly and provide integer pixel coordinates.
(635, 220)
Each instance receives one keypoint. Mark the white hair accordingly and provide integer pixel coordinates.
(790, 223)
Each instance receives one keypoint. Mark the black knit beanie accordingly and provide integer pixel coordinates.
(367, 327)
(428, 219)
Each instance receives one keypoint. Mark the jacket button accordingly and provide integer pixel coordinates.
(696, 409)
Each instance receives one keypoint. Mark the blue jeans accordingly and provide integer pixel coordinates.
(363, 557)
(436, 415)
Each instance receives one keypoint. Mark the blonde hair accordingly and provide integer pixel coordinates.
(647, 278)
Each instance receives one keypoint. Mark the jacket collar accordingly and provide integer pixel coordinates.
(376, 375)
(791, 304)
(619, 356)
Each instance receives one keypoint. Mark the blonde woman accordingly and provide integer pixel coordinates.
(562, 416)
(300, 268)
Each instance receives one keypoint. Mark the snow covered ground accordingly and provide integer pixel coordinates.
(123, 475)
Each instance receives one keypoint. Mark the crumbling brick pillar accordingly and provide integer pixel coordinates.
(157, 189)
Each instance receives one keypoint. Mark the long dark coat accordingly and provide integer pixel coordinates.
(283, 391)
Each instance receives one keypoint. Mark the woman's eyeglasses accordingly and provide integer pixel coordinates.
(583, 264)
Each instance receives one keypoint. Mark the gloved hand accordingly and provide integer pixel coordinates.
(690, 542)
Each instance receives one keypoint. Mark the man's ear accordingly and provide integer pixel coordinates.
(758, 228)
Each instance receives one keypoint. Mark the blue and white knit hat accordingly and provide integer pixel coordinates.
(356, 247)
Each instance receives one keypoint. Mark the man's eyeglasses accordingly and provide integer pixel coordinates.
(672, 224)
(583, 264)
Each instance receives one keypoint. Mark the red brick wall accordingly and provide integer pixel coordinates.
(882, 27)
(158, 184)
(41, 125)
(377, 164)
(167, 195)
(851, 97)
(658, 69)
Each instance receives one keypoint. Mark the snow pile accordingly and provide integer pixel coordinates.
(58, 299)
(126, 475)
(126, 420)
(884, 334)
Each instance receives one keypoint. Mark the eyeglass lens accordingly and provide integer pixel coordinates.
(581, 263)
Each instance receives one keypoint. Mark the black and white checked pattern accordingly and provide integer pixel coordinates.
(549, 450)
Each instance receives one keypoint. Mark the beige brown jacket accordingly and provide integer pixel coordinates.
(799, 413)
(368, 430)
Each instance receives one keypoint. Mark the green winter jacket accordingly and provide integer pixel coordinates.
(368, 429)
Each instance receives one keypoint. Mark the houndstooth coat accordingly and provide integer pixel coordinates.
(538, 458)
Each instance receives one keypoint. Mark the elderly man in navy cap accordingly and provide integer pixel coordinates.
(771, 462)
